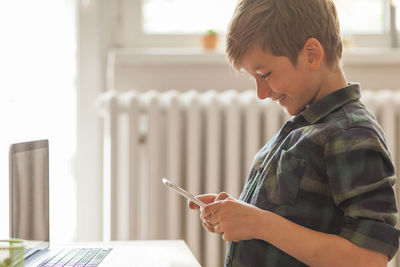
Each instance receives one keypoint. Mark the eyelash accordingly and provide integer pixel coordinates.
(264, 76)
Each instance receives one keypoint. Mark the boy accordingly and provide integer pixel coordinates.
(319, 192)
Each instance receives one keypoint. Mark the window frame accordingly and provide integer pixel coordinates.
(129, 28)
(132, 34)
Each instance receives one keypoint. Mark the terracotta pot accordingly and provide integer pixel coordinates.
(210, 41)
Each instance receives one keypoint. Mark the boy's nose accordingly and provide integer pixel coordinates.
(263, 90)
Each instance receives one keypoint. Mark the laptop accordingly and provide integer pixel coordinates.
(29, 220)
(29, 209)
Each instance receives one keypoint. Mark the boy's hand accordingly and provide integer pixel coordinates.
(207, 199)
(234, 219)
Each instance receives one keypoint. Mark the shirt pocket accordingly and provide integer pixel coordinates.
(281, 182)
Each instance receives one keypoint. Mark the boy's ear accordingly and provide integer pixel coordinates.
(314, 53)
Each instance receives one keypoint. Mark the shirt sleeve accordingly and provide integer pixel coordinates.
(361, 177)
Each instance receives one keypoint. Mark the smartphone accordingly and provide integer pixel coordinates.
(182, 192)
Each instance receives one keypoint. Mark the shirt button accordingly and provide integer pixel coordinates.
(228, 260)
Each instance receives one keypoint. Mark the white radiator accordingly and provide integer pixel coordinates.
(202, 141)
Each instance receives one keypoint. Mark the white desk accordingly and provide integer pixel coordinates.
(148, 253)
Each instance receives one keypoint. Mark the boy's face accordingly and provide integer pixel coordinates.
(294, 87)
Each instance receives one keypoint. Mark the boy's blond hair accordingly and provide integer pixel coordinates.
(282, 27)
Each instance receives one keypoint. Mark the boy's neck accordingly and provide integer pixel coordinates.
(332, 81)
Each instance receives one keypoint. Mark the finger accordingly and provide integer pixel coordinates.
(206, 222)
(208, 227)
(211, 209)
(193, 205)
(222, 196)
(209, 220)
(212, 219)
(207, 198)
(218, 229)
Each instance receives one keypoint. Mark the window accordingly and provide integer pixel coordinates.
(186, 16)
(38, 98)
(370, 21)
(396, 5)
(169, 18)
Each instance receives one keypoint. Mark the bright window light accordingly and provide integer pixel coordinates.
(194, 17)
(186, 16)
(361, 16)
(397, 5)
(38, 98)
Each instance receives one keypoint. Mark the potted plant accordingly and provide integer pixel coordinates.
(210, 40)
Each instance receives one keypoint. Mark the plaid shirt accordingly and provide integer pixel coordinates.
(327, 169)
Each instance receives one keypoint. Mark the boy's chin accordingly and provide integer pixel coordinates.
(293, 109)
(290, 112)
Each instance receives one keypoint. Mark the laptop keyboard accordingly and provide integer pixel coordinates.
(88, 257)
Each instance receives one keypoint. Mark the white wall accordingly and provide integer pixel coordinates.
(183, 69)
(95, 35)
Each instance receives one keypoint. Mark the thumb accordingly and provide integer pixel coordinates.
(222, 196)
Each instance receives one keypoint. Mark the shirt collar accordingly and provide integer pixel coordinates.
(331, 102)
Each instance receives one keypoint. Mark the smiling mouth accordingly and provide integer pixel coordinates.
(279, 99)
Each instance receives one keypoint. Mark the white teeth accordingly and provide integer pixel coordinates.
(279, 98)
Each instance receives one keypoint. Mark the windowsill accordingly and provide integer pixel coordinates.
(168, 56)
(371, 56)
(197, 56)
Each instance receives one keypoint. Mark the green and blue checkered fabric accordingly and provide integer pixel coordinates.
(328, 169)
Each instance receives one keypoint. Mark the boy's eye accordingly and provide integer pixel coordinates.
(264, 76)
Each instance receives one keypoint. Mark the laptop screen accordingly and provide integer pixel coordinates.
(29, 191)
